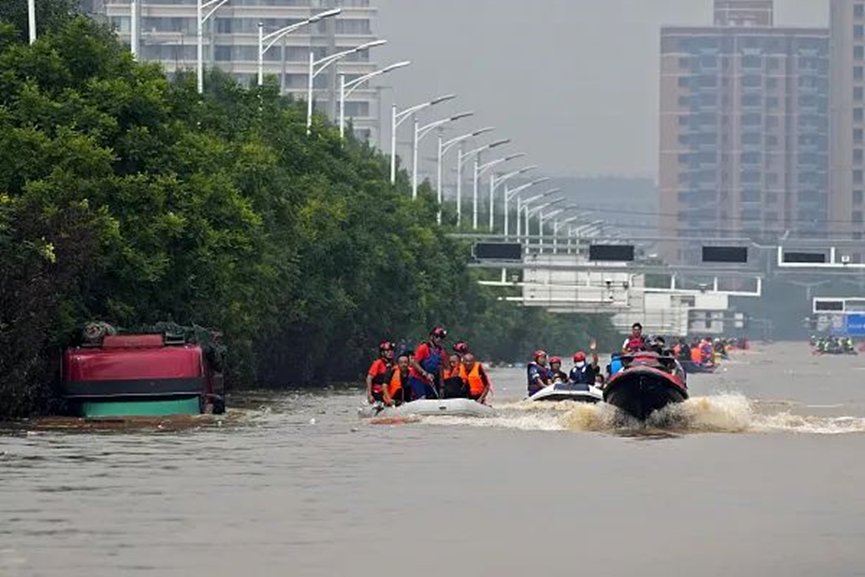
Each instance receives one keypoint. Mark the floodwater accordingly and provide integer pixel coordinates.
(761, 473)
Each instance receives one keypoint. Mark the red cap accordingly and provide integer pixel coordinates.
(539, 354)
(579, 357)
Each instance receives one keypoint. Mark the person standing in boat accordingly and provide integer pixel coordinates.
(475, 378)
(636, 342)
(537, 372)
(378, 374)
(582, 372)
(427, 364)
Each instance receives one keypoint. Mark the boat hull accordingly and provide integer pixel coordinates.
(431, 407)
(563, 392)
(640, 391)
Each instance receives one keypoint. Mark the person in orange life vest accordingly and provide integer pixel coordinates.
(398, 391)
(636, 342)
(378, 374)
(453, 367)
(475, 377)
(556, 374)
(425, 371)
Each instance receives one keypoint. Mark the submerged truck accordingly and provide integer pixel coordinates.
(141, 374)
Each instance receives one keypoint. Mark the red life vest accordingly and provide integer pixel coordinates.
(636, 344)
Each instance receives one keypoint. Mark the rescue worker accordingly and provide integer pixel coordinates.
(398, 392)
(378, 374)
(636, 341)
(475, 377)
(425, 372)
(556, 373)
(537, 372)
(582, 372)
(453, 367)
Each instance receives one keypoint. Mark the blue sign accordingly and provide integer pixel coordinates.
(856, 325)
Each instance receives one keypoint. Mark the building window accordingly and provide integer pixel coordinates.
(858, 93)
(858, 156)
(857, 216)
(684, 81)
(858, 31)
(859, 52)
(772, 197)
(857, 177)
(858, 114)
(858, 72)
(858, 134)
(857, 196)
(859, 10)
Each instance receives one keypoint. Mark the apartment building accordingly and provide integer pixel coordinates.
(168, 34)
(744, 126)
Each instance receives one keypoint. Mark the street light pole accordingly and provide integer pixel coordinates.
(212, 6)
(322, 66)
(461, 160)
(397, 118)
(489, 165)
(525, 207)
(274, 37)
(516, 192)
(133, 28)
(346, 89)
(443, 147)
(31, 19)
(419, 133)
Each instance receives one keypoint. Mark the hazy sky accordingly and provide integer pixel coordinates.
(574, 83)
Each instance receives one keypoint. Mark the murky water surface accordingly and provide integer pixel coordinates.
(761, 473)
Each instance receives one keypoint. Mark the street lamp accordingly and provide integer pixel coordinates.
(461, 160)
(479, 172)
(444, 146)
(212, 6)
(346, 89)
(31, 19)
(397, 118)
(556, 225)
(322, 65)
(509, 194)
(419, 133)
(539, 210)
(274, 37)
(497, 182)
(525, 207)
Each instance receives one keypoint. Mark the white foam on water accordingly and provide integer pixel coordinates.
(728, 413)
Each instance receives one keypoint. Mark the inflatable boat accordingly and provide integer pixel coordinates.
(428, 408)
(649, 382)
(569, 392)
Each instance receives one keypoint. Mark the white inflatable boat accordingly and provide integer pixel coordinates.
(569, 392)
(429, 407)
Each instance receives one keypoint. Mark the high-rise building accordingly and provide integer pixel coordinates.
(744, 128)
(168, 34)
(847, 98)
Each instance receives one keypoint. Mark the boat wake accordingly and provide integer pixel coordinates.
(721, 413)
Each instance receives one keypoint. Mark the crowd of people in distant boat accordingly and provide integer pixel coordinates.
(833, 345)
(428, 371)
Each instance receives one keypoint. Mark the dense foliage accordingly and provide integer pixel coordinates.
(129, 198)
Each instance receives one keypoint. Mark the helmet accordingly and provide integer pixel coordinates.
(386, 346)
(461, 347)
(579, 357)
(438, 331)
(538, 354)
(554, 360)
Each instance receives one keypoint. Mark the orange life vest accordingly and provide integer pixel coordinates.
(450, 373)
(473, 379)
(395, 384)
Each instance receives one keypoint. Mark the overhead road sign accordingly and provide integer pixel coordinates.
(500, 251)
(611, 252)
(728, 254)
(803, 257)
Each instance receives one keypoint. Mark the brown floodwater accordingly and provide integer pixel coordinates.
(760, 473)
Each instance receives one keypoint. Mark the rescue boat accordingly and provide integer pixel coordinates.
(648, 382)
(429, 408)
(569, 392)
